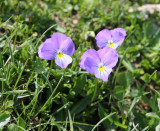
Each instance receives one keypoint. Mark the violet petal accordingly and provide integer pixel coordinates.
(109, 56)
(91, 53)
(48, 49)
(103, 37)
(67, 46)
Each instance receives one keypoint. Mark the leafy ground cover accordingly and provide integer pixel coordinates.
(36, 94)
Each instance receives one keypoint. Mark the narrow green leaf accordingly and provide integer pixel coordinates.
(81, 105)
(111, 114)
(146, 128)
(53, 93)
(9, 103)
(15, 92)
(153, 115)
(60, 29)
(104, 113)
(158, 100)
(20, 75)
(10, 49)
(64, 106)
(54, 123)
(70, 121)
(135, 101)
(158, 128)
(21, 123)
(14, 127)
(128, 65)
(4, 119)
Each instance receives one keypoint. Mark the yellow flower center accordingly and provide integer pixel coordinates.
(101, 68)
(111, 44)
(60, 55)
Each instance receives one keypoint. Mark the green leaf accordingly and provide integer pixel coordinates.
(125, 79)
(84, 127)
(10, 49)
(9, 103)
(39, 66)
(67, 8)
(4, 119)
(81, 105)
(153, 115)
(70, 121)
(21, 123)
(145, 77)
(2, 79)
(15, 92)
(2, 44)
(158, 100)
(158, 128)
(103, 112)
(54, 123)
(119, 92)
(79, 84)
(12, 127)
(135, 101)
(111, 114)
(128, 65)
(60, 29)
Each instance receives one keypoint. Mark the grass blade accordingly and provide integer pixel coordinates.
(103, 120)
(70, 121)
(50, 96)
(10, 49)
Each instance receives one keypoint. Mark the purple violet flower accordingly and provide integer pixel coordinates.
(99, 62)
(58, 47)
(112, 38)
